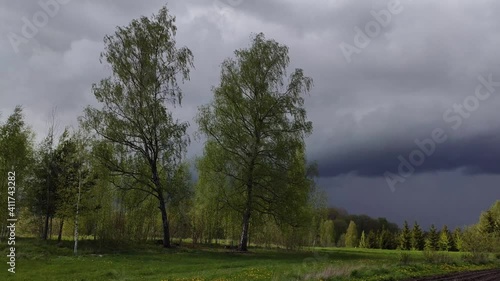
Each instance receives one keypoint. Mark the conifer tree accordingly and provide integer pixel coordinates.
(487, 222)
(372, 240)
(432, 242)
(417, 238)
(405, 237)
(386, 240)
(445, 239)
(457, 239)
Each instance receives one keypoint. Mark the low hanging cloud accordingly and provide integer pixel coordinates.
(460, 140)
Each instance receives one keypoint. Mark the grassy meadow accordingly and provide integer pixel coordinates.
(38, 260)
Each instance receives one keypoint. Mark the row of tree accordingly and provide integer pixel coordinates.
(380, 234)
(127, 158)
(123, 174)
(416, 239)
(346, 230)
(481, 237)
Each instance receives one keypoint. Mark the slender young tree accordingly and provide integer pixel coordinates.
(363, 242)
(42, 194)
(327, 233)
(351, 236)
(457, 239)
(74, 179)
(255, 128)
(134, 119)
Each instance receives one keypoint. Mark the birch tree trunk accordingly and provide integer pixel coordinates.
(75, 249)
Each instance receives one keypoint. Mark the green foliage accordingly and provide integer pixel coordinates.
(386, 239)
(417, 238)
(16, 155)
(404, 258)
(445, 239)
(41, 194)
(318, 203)
(363, 241)
(432, 241)
(476, 258)
(365, 223)
(474, 241)
(73, 166)
(16, 145)
(351, 236)
(340, 225)
(372, 240)
(435, 257)
(489, 221)
(327, 233)
(457, 239)
(405, 237)
(253, 174)
(102, 263)
(342, 241)
(143, 144)
(255, 127)
(484, 237)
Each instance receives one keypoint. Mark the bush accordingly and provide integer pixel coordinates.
(477, 245)
(476, 242)
(437, 257)
(355, 273)
(476, 258)
(404, 258)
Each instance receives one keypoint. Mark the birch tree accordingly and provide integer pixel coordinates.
(255, 129)
(134, 118)
(16, 155)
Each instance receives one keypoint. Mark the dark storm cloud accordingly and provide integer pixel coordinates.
(474, 155)
(434, 198)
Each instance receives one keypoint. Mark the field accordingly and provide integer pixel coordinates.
(38, 260)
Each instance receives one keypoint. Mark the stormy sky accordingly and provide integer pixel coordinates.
(405, 103)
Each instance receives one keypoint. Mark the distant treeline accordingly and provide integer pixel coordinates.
(346, 230)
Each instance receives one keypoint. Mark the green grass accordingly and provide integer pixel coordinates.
(37, 260)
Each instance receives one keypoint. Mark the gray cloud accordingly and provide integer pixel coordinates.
(366, 113)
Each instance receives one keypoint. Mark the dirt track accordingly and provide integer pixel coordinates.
(482, 275)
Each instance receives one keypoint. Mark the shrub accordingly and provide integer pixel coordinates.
(404, 258)
(476, 242)
(476, 258)
(437, 257)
